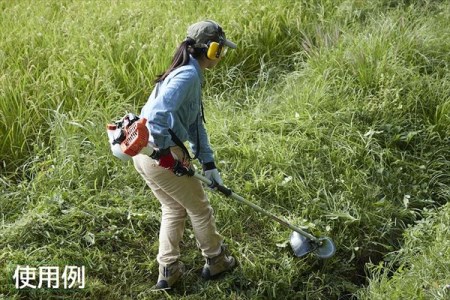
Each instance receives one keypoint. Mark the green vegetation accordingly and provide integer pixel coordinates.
(421, 268)
(332, 114)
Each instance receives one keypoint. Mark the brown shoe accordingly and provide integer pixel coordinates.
(217, 265)
(169, 275)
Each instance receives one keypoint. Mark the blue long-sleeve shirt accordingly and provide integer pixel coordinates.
(175, 103)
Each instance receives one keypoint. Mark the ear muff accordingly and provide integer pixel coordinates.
(214, 50)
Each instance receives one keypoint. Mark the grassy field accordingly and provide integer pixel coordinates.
(332, 114)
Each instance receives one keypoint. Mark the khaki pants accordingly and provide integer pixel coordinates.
(179, 197)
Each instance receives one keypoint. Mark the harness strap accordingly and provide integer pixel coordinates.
(180, 144)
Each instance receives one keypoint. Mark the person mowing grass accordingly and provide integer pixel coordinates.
(174, 114)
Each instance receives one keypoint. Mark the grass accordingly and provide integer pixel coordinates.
(332, 114)
(420, 270)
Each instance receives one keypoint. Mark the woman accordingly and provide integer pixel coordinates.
(174, 112)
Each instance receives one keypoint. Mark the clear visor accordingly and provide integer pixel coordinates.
(224, 51)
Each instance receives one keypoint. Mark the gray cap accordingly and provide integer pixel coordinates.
(205, 31)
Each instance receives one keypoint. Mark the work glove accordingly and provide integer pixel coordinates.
(212, 174)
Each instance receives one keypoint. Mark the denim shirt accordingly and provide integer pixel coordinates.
(175, 103)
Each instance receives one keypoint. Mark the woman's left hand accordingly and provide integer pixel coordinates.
(214, 176)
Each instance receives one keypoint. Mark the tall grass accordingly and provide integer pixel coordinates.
(334, 115)
(420, 270)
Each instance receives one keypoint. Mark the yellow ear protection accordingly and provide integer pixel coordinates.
(215, 49)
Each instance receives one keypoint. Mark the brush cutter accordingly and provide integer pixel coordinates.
(301, 242)
(130, 136)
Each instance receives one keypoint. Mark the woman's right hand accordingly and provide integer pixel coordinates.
(174, 159)
(179, 155)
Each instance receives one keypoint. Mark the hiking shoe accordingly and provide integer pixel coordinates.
(217, 265)
(168, 275)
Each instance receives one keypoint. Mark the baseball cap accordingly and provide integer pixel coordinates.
(206, 31)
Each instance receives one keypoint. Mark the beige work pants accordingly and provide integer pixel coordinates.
(179, 197)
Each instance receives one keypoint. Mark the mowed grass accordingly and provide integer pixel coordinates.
(334, 115)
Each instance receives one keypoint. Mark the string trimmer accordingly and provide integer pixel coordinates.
(130, 136)
(301, 242)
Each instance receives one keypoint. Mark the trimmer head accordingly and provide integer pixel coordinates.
(301, 245)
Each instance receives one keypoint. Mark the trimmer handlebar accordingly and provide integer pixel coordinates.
(224, 190)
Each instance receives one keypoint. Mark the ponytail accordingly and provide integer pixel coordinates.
(181, 57)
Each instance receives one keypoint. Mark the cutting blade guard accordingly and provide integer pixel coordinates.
(321, 247)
